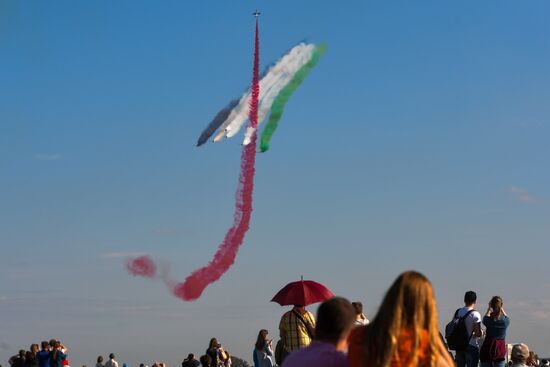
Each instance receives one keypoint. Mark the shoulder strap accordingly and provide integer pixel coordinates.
(467, 313)
(308, 327)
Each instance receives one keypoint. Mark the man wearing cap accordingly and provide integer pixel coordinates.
(520, 353)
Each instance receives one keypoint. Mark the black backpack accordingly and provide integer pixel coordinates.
(456, 334)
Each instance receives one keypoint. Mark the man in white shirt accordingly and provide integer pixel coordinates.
(470, 356)
(111, 362)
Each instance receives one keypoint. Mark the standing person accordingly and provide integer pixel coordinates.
(493, 349)
(57, 355)
(520, 354)
(296, 329)
(263, 350)
(31, 357)
(404, 332)
(19, 360)
(334, 321)
(469, 357)
(99, 362)
(111, 362)
(190, 361)
(216, 353)
(44, 355)
(360, 318)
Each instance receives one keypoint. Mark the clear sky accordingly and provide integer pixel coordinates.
(420, 141)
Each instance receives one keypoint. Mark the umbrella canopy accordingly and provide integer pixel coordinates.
(303, 293)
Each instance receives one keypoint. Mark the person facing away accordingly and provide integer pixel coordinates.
(470, 356)
(520, 354)
(493, 350)
(19, 360)
(296, 328)
(43, 355)
(263, 350)
(190, 361)
(334, 321)
(57, 355)
(99, 362)
(111, 362)
(360, 318)
(404, 332)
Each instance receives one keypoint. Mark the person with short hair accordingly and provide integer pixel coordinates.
(493, 350)
(190, 361)
(470, 356)
(43, 355)
(405, 330)
(19, 360)
(99, 362)
(334, 321)
(520, 354)
(111, 362)
(296, 328)
(360, 318)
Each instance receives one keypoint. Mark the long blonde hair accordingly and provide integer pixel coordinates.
(409, 305)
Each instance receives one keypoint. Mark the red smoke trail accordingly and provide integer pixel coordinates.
(195, 283)
(142, 266)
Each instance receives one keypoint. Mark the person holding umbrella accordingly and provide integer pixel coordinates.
(297, 326)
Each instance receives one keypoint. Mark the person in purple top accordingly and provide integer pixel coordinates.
(335, 319)
(44, 355)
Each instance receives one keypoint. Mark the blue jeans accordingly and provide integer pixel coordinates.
(468, 357)
(493, 364)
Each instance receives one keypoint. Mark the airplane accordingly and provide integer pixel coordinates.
(256, 13)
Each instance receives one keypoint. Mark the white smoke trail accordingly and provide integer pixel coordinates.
(267, 101)
(270, 85)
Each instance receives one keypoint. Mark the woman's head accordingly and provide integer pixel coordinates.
(409, 305)
(496, 304)
(100, 359)
(34, 349)
(213, 343)
(262, 338)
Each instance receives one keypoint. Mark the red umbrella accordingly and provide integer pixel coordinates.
(303, 293)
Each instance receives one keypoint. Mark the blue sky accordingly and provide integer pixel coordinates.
(419, 142)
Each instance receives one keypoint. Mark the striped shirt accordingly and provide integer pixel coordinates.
(294, 332)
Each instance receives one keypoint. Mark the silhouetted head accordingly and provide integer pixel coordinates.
(470, 298)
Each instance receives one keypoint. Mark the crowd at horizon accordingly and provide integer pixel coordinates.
(404, 332)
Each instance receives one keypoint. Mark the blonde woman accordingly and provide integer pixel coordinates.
(404, 333)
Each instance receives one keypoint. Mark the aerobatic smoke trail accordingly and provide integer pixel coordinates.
(194, 284)
(216, 122)
(142, 266)
(279, 73)
(279, 104)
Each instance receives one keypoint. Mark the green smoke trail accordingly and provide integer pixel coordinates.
(282, 98)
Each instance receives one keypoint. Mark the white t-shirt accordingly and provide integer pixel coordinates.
(472, 319)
